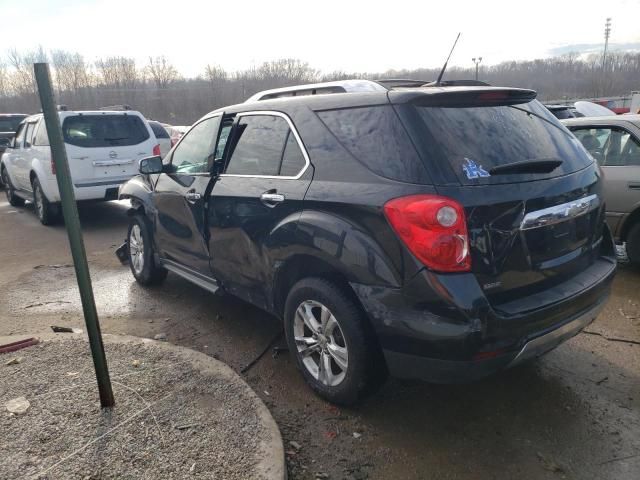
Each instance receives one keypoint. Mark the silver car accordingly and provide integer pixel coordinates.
(615, 143)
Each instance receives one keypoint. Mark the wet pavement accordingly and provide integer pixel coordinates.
(573, 414)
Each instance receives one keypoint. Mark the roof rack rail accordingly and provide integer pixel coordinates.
(401, 82)
(341, 86)
(116, 108)
(458, 83)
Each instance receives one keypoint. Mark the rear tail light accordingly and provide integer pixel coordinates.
(53, 166)
(156, 150)
(434, 229)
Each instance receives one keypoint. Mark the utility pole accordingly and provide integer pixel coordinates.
(477, 62)
(607, 32)
(72, 222)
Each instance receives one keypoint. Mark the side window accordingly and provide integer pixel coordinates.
(612, 147)
(593, 139)
(265, 145)
(41, 138)
(17, 140)
(292, 158)
(630, 151)
(195, 152)
(222, 141)
(28, 137)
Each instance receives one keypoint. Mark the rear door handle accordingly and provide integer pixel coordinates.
(271, 199)
(634, 186)
(192, 196)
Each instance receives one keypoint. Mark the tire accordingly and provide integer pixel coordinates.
(633, 245)
(140, 251)
(47, 212)
(344, 343)
(10, 192)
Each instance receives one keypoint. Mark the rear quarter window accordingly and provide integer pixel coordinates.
(376, 138)
(158, 130)
(93, 131)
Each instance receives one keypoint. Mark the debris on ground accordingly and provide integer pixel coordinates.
(14, 361)
(295, 444)
(356, 435)
(549, 464)
(18, 405)
(136, 363)
(161, 337)
(57, 329)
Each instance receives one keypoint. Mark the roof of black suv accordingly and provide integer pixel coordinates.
(352, 93)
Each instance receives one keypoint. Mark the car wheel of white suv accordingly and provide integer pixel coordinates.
(46, 211)
(12, 198)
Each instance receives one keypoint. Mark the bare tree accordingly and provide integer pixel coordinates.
(162, 72)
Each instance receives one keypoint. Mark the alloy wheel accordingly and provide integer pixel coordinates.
(320, 343)
(136, 249)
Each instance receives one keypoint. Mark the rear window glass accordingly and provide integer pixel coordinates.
(158, 130)
(375, 137)
(473, 140)
(10, 124)
(93, 131)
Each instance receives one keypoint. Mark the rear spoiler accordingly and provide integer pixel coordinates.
(474, 97)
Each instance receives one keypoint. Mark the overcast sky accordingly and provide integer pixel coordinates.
(330, 35)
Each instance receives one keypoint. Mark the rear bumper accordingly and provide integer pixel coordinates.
(442, 328)
(88, 190)
(402, 365)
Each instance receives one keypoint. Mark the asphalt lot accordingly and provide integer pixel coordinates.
(573, 414)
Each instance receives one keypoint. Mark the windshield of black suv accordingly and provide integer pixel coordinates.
(475, 140)
(92, 131)
(10, 123)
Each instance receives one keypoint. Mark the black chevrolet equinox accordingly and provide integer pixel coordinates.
(437, 232)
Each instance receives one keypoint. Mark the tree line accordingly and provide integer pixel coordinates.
(157, 89)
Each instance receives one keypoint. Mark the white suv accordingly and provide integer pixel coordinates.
(103, 149)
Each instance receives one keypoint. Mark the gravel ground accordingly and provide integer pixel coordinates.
(170, 421)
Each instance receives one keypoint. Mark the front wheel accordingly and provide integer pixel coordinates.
(47, 212)
(141, 261)
(333, 344)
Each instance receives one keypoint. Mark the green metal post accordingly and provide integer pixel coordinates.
(72, 222)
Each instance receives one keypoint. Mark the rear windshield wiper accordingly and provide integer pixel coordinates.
(113, 139)
(526, 166)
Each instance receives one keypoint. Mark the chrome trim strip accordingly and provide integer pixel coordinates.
(99, 184)
(108, 163)
(295, 134)
(559, 213)
(541, 345)
(194, 277)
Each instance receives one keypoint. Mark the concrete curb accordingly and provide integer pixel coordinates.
(271, 465)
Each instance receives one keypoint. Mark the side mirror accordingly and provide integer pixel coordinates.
(151, 165)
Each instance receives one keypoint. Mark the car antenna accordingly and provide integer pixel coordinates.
(444, 67)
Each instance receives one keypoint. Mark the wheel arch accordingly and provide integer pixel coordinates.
(301, 266)
(629, 222)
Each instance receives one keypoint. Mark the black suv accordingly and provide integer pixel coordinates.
(433, 232)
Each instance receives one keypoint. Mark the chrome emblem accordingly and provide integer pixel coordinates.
(113, 154)
(474, 170)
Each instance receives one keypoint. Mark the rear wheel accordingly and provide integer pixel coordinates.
(12, 198)
(332, 342)
(141, 261)
(47, 212)
(633, 245)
